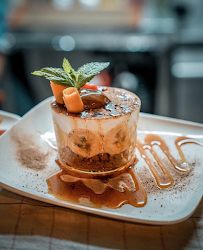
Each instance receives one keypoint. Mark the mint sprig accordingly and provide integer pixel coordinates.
(68, 77)
(88, 71)
(56, 75)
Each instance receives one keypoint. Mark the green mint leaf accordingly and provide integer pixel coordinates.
(93, 68)
(79, 82)
(73, 76)
(55, 75)
(59, 81)
(68, 68)
(68, 77)
(88, 71)
(53, 71)
(36, 73)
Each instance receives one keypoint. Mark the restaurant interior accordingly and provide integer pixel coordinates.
(155, 49)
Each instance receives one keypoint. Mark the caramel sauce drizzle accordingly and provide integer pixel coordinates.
(163, 179)
(185, 140)
(73, 191)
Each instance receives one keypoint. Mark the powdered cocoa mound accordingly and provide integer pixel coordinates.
(28, 153)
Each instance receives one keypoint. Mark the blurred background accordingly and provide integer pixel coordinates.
(155, 48)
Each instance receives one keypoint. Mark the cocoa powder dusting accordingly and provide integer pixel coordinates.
(181, 180)
(29, 154)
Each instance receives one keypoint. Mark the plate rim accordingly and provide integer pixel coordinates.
(9, 114)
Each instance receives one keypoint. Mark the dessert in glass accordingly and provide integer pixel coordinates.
(96, 128)
(98, 141)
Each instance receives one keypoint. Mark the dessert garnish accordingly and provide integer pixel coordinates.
(58, 92)
(66, 83)
(73, 100)
(89, 86)
(93, 99)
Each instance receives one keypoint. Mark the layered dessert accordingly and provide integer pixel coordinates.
(96, 128)
(98, 140)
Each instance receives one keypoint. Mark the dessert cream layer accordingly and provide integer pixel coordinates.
(98, 139)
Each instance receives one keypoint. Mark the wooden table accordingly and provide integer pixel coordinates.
(29, 224)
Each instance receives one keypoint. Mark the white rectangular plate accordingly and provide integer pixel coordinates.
(164, 206)
(7, 120)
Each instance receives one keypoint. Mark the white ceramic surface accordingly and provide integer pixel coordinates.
(167, 206)
(7, 120)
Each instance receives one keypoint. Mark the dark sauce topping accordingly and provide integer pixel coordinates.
(93, 99)
(104, 103)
